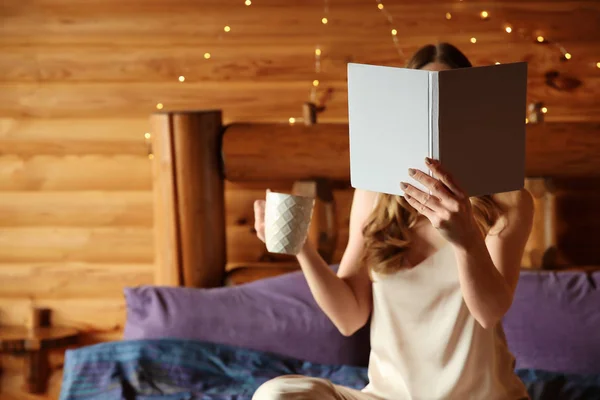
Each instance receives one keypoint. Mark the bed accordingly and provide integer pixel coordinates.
(224, 315)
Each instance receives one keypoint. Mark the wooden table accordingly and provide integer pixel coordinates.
(34, 343)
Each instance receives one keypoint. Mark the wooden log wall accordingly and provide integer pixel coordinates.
(78, 81)
(75, 228)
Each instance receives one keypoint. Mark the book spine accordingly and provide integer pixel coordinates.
(434, 127)
(435, 120)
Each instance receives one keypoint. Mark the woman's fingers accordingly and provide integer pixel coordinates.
(420, 207)
(435, 185)
(445, 177)
(425, 201)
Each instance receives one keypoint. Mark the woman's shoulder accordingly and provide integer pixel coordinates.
(364, 199)
(518, 201)
(517, 206)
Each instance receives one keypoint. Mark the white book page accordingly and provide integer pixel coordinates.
(388, 110)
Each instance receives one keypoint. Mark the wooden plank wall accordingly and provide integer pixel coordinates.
(78, 80)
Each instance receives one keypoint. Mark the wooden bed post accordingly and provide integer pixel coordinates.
(189, 204)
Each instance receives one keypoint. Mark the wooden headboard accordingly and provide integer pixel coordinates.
(206, 176)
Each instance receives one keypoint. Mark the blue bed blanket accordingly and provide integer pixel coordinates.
(180, 369)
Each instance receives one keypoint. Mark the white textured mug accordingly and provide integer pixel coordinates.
(287, 218)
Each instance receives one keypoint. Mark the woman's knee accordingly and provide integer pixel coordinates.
(292, 387)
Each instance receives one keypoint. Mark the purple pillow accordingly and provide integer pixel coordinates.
(554, 322)
(277, 315)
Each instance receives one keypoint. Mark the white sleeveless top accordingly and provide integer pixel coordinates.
(425, 344)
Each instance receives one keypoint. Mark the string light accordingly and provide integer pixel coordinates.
(484, 15)
(147, 136)
(538, 38)
(391, 24)
(325, 20)
(159, 106)
(181, 78)
(565, 55)
(318, 53)
(313, 90)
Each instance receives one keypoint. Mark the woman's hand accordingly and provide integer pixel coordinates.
(259, 219)
(448, 207)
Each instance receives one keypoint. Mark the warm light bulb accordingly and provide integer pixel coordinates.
(568, 56)
(227, 28)
(248, 2)
(316, 82)
(292, 121)
(181, 78)
(526, 120)
(151, 156)
(394, 32)
(159, 106)
(497, 62)
(147, 135)
(448, 15)
(207, 55)
(540, 39)
(318, 52)
(598, 65)
(508, 29)
(544, 110)
(324, 20)
(473, 40)
(380, 6)
(484, 14)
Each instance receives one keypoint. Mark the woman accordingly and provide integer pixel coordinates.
(435, 273)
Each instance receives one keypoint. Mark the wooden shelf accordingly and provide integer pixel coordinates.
(16, 339)
(32, 342)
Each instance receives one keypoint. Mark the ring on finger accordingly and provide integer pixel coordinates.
(427, 198)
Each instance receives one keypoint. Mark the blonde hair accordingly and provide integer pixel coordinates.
(387, 231)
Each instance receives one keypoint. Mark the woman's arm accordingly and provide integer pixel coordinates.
(488, 268)
(346, 297)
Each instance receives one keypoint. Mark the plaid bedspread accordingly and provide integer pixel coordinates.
(178, 369)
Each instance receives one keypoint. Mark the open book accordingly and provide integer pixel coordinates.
(471, 119)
